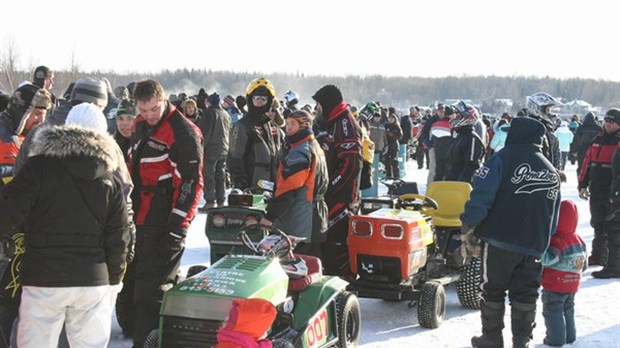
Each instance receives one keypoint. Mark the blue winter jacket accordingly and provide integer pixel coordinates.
(565, 137)
(516, 194)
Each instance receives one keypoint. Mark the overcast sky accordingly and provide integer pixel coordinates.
(429, 38)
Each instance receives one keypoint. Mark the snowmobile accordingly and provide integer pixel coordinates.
(410, 252)
(313, 310)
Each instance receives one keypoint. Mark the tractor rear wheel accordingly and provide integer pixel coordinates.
(468, 285)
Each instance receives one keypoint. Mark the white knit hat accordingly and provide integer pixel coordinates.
(89, 116)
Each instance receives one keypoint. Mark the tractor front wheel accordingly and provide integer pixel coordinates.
(432, 305)
(349, 317)
(152, 340)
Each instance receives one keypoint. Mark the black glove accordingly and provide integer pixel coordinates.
(7, 247)
(175, 238)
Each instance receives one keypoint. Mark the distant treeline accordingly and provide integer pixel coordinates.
(401, 92)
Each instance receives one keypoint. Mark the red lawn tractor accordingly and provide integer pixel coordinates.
(410, 252)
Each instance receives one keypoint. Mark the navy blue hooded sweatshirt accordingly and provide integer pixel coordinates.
(516, 195)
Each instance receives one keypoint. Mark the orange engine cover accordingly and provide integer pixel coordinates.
(394, 233)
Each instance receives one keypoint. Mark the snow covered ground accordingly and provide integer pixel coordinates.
(393, 324)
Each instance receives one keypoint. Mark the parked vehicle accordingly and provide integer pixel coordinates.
(313, 310)
(410, 252)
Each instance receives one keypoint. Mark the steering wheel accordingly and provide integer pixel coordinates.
(414, 201)
(247, 241)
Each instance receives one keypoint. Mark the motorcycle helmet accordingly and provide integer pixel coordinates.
(538, 103)
(274, 245)
(467, 115)
(256, 85)
(294, 266)
(291, 97)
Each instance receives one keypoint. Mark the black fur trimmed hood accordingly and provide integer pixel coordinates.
(86, 153)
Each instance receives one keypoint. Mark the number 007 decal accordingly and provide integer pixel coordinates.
(316, 332)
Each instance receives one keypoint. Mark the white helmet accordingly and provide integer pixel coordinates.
(291, 97)
(294, 267)
(537, 103)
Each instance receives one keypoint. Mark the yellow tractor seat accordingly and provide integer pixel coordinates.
(450, 197)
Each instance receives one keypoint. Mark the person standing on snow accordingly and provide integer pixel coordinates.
(215, 127)
(539, 106)
(393, 134)
(583, 137)
(565, 138)
(513, 244)
(611, 225)
(298, 206)
(256, 140)
(563, 264)
(26, 109)
(467, 149)
(166, 168)
(594, 181)
(441, 140)
(342, 144)
(75, 216)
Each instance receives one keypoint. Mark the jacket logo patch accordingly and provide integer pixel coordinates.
(482, 172)
(348, 146)
(345, 127)
(156, 146)
(532, 181)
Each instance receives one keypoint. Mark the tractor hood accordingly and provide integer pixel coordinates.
(209, 294)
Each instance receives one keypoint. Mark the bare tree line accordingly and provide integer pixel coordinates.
(401, 92)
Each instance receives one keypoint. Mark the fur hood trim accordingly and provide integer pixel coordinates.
(75, 141)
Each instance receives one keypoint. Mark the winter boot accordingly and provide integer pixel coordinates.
(522, 317)
(612, 270)
(492, 315)
(599, 250)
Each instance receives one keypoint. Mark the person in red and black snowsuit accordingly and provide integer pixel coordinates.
(441, 140)
(584, 135)
(166, 168)
(595, 179)
(341, 140)
(611, 225)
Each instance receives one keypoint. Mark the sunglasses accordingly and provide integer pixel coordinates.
(610, 120)
(260, 98)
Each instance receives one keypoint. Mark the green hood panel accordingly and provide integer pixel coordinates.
(208, 294)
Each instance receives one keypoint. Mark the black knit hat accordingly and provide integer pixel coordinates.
(328, 97)
(214, 99)
(40, 74)
(240, 101)
(613, 114)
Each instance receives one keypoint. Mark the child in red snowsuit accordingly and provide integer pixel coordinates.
(248, 321)
(563, 263)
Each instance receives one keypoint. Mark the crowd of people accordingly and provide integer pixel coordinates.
(105, 183)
